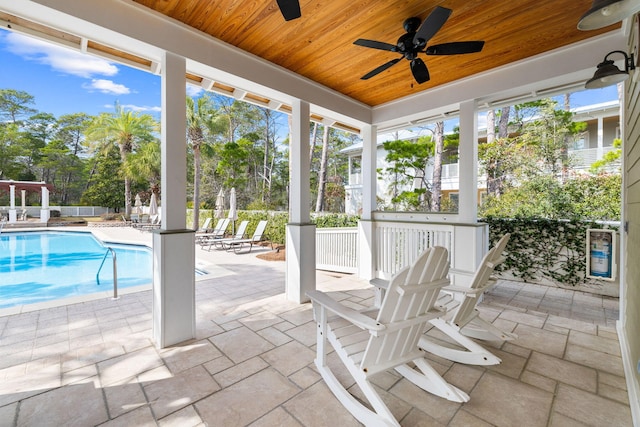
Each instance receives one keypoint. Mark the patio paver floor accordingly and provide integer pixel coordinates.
(251, 364)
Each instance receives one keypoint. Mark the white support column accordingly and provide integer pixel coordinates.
(366, 229)
(173, 245)
(468, 153)
(301, 234)
(23, 199)
(44, 211)
(600, 150)
(12, 204)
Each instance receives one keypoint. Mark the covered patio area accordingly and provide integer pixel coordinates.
(251, 362)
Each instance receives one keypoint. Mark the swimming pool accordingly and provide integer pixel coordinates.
(48, 265)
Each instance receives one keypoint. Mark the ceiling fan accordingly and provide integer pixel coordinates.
(290, 9)
(415, 41)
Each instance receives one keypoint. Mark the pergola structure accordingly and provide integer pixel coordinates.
(309, 69)
(23, 186)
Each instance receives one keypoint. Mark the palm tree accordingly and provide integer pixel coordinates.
(200, 117)
(126, 130)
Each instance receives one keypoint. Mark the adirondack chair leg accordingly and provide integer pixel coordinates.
(431, 381)
(474, 354)
(381, 416)
(483, 330)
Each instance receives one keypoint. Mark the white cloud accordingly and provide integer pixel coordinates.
(107, 86)
(132, 107)
(193, 90)
(58, 58)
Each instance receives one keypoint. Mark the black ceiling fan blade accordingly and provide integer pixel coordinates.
(375, 45)
(431, 25)
(380, 69)
(455, 48)
(419, 70)
(290, 9)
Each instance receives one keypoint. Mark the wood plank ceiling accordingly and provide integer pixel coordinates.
(319, 45)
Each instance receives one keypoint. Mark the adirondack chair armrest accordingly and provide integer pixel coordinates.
(468, 291)
(379, 283)
(360, 320)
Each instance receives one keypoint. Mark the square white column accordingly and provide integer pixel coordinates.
(301, 237)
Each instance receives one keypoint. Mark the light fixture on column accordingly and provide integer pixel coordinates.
(607, 12)
(608, 74)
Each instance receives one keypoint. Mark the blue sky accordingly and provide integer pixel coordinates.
(64, 81)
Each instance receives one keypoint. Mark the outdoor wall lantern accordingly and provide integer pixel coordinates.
(608, 74)
(607, 12)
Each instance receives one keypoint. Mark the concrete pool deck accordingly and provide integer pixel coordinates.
(251, 363)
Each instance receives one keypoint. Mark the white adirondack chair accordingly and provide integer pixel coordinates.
(369, 342)
(462, 319)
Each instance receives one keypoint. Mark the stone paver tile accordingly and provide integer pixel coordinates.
(21, 387)
(274, 336)
(89, 355)
(185, 417)
(185, 388)
(511, 365)
(299, 315)
(559, 420)
(181, 357)
(563, 371)
(304, 378)
(506, 402)
(247, 400)
(511, 347)
(537, 321)
(45, 409)
(465, 377)
(155, 374)
(436, 407)
(278, 417)
(124, 398)
(241, 344)
(8, 415)
(240, 371)
(260, 320)
(544, 383)
(595, 359)
(289, 358)
(612, 380)
(563, 322)
(613, 393)
(417, 418)
(305, 333)
(540, 340)
(79, 374)
(465, 419)
(318, 406)
(140, 417)
(595, 342)
(128, 365)
(218, 365)
(590, 409)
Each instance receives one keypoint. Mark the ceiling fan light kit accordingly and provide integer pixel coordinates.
(608, 74)
(415, 41)
(607, 12)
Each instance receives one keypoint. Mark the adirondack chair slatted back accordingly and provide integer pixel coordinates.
(409, 298)
(466, 310)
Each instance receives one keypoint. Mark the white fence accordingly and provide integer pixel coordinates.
(337, 249)
(34, 211)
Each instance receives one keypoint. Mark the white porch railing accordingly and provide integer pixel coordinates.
(399, 244)
(337, 249)
(398, 239)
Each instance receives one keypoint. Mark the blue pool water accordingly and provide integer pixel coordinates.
(43, 266)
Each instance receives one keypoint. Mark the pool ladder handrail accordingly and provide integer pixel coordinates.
(115, 270)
